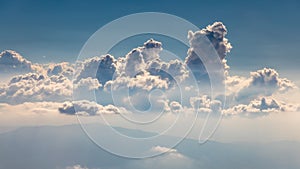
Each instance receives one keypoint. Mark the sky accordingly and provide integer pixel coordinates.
(263, 33)
(235, 80)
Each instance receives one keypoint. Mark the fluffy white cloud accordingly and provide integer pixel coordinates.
(87, 84)
(88, 108)
(205, 104)
(260, 107)
(33, 87)
(137, 60)
(134, 63)
(270, 78)
(64, 68)
(216, 35)
(142, 81)
(101, 68)
(200, 41)
(172, 70)
(161, 149)
(264, 82)
(146, 59)
(151, 50)
(175, 107)
(142, 71)
(12, 62)
(138, 74)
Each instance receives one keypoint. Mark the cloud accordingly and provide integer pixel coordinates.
(270, 78)
(263, 82)
(34, 87)
(204, 104)
(175, 107)
(64, 68)
(85, 89)
(260, 107)
(12, 62)
(146, 59)
(134, 63)
(139, 74)
(172, 159)
(76, 167)
(101, 68)
(142, 81)
(172, 70)
(161, 149)
(151, 50)
(88, 84)
(30, 108)
(138, 59)
(215, 33)
(88, 108)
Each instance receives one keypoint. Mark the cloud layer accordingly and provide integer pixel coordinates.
(146, 79)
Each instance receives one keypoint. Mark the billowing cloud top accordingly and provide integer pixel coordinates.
(11, 61)
(146, 79)
(215, 33)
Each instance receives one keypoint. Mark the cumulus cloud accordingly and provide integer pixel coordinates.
(215, 34)
(175, 107)
(12, 62)
(101, 68)
(204, 104)
(88, 108)
(142, 71)
(34, 87)
(106, 68)
(172, 70)
(151, 50)
(264, 82)
(143, 81)
(64, 68)
(88, 84)
(270, 78)
(146, 59)
(139, 73)
(134, 63)
(260, 107)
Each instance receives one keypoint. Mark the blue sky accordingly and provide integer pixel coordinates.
(263, 33)
(148, 89)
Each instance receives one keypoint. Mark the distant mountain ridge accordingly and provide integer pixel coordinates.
(51, 147)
